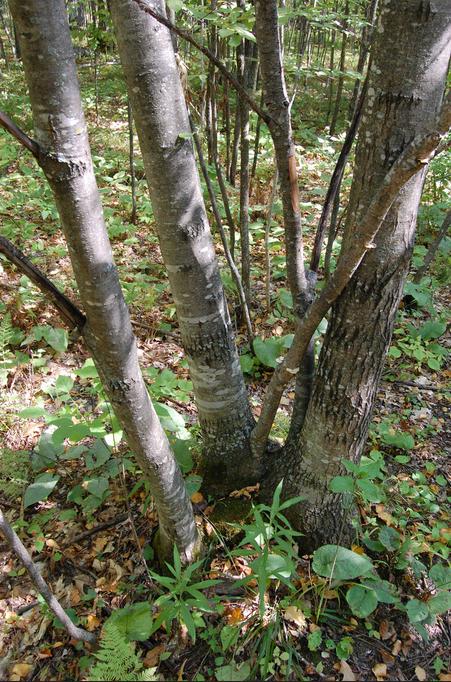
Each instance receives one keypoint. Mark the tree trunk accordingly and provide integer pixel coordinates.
(163, 129)
(405, 94)
(65, 157)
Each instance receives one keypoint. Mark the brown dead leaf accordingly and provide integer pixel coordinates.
(152, 657)
(380, 671)
(197, 498)
(396, 647)
(445, 677)
(292, 613)
(45, 653)
(234, 615)
(387, 657)
(357, 549)
(99, 544)
(21, 670)
(420, 673)
(383, 514)
(74, 596)
(245, 492)
(346, 671)
(92, 622)
(386, 629)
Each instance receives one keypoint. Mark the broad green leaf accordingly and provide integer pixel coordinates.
(97, 486)
(268, 350)
(40, 489)
(417, 611)
(432, 329)
(56, 338)
(278, 567)
(134, 622)
(362, 600)
(233, 673)
(88, 370)
(192, 484)
(440, 603)
(97, 455)
(342, 484)
(183, 456)
(390, 538)
(64, 384)
(339, 563)
(229, 635)
(441, 575)
(370, 491)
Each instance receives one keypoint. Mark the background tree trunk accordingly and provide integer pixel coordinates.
(65, 157)
(405, 93)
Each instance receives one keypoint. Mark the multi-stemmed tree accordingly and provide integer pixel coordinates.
(404, 119)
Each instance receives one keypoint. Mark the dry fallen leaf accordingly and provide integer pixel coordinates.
(234, 616)
(21, 670)
(380, 671)
(346, 671)
(295, 615)
(197, 498)
(420, 673)
(152, 658)
(445, 677)
(383, 514)
(92, 622)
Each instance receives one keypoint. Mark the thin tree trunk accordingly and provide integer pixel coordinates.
(344, 41)
(64, 155)
(431, 253)
(274, 89)
(163, 129)
(405, 94)
(247, 68)
(131, 154)
(365, 44)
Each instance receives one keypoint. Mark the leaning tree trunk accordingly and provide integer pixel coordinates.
(405, 93)
(163, 129)
(64, 155)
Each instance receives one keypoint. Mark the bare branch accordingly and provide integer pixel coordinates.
(22, 554)
(71, 314)
(19, 134)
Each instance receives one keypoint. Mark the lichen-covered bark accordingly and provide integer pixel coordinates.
(405, 93)
(65, 158)
(162, 124)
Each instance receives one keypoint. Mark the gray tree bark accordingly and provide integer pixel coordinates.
(64, 155)
(405, 94)
(163, 129)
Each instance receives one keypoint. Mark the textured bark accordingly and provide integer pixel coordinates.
(162, 124)
(276, 101)
(405, 93)
(64, 156)
(276, 98)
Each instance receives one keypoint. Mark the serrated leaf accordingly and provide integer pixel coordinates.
(390, 538)
(417, 610)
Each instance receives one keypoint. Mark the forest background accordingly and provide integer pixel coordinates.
(251, 604)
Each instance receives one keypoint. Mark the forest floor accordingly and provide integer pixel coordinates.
(71, 488)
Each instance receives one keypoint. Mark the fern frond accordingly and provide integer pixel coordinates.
(6, 335)
(117, 659)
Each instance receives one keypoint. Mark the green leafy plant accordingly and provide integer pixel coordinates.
(273, 543)
(183, 599)
(117, 659)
